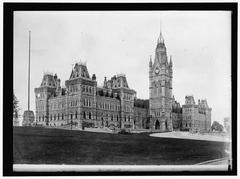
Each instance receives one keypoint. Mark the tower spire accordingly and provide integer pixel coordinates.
(160, 39)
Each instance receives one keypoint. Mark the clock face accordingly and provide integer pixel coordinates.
(157, 71)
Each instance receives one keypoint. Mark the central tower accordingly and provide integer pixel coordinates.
(160, 88)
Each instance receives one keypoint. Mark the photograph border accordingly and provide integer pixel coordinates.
(8, 29)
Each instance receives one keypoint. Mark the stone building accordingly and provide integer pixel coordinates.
(82, 103)
(196, 117)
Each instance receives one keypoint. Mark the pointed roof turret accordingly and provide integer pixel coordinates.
(170, 61)
(150, 62)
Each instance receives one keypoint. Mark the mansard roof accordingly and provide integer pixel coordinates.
(79, 70)
(117, 81)
(189, 100)
(203, 103)
(49, 80)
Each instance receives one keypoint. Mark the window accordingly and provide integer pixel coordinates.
(76, 115)
(71, 116)
(90, 115)
(62, 116)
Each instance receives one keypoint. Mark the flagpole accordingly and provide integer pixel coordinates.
(29, 55)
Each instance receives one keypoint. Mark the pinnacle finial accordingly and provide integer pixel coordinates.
(160, 27)
(170, 63)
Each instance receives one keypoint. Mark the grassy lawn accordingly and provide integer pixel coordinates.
(56, 146)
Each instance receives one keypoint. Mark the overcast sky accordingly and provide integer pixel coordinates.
(122, 42)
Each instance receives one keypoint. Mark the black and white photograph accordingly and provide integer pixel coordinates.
(122, 91)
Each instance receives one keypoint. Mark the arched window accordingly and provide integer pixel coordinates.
(51, 117)
(76, 115)
(84, 114)
(71, 116)
(112, 118)
(90, 115)
(62, 116)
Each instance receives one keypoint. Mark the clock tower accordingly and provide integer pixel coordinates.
(160, 88)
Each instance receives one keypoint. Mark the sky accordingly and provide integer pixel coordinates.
(121, 42)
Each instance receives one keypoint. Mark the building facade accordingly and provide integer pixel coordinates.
(82, 103)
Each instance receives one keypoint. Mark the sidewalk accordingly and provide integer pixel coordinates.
(187, 135)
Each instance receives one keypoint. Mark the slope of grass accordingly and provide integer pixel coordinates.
(56, 146)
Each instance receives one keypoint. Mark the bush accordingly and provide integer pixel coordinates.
(124, 131)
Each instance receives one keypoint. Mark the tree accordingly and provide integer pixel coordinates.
(15, 107)
(217, 127)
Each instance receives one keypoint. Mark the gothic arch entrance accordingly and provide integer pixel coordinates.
(157, 125)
